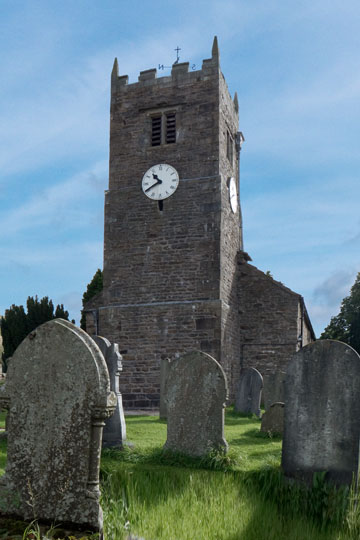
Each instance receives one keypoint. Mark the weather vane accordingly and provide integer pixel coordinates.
(177, 50)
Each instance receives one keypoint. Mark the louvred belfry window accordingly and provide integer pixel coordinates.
(163, 129)
(156, 131)
(170, 128)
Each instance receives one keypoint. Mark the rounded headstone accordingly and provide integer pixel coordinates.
(196, 396)
(248, 395)
(58, 392)
(272, 421)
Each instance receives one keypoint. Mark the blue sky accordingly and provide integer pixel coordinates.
(295, 66)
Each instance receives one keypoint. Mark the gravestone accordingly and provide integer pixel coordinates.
(272, 420)
(273, 391)
(58, 393)
(248, 395)
(196, 396)
(114, 433)
(164, 371)
(322, 412)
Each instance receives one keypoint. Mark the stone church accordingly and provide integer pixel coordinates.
(176, 276)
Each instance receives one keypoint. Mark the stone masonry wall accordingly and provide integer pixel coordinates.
(149, 333)
(230, 238)
(168, 286)
(269, 314)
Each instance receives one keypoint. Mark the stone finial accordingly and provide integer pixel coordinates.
(236, 102)
(115, 70)
(215, 50)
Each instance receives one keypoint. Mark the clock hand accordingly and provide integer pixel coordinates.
(156, 183)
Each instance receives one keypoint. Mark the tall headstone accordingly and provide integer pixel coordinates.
(322, 412)
(196, 396)
(273, 391)
(164, 372)
(58, 393)
(248, 395)
(114, 433)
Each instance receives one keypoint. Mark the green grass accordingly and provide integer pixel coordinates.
(158, 496)
(2, 419)
(143, 495)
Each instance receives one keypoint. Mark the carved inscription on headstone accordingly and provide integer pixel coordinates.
(58, 393)
(196, 396)
(248, 396)
(322, 412)
(115, 428)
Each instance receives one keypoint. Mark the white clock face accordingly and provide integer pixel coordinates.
(160, 182)
(233, 195)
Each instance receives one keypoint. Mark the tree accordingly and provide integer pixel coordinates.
(93, 288)
(16, 324)
(346, 325)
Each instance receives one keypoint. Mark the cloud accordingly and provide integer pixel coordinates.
(66, 205)
(334, 288)
(59, 256)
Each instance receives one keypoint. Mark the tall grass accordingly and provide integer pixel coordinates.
(247, 500)
(160, 495)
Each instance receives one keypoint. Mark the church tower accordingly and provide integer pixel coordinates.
(172, 224)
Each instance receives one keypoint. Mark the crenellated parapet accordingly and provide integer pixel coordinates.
(178, 70)
(181, 74)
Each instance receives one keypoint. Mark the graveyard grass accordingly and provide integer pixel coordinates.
(156, 495)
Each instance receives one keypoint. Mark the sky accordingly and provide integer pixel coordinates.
(295, 67)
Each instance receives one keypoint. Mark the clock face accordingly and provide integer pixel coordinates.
(160, 182)
(233, 195)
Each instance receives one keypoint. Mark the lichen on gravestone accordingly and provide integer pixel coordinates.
(322, 413)
(196, 396)
(58, 394)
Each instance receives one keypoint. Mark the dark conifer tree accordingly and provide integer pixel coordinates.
(16, 324)
(94, 287)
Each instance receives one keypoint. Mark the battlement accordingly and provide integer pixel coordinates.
(178, 71)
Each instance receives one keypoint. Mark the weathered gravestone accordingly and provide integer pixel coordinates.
(164, 371)
(322, 412)
(273, 391)
(58, 394)
(272, 420)
(196, 396)
(248, 395)
(115, 428)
